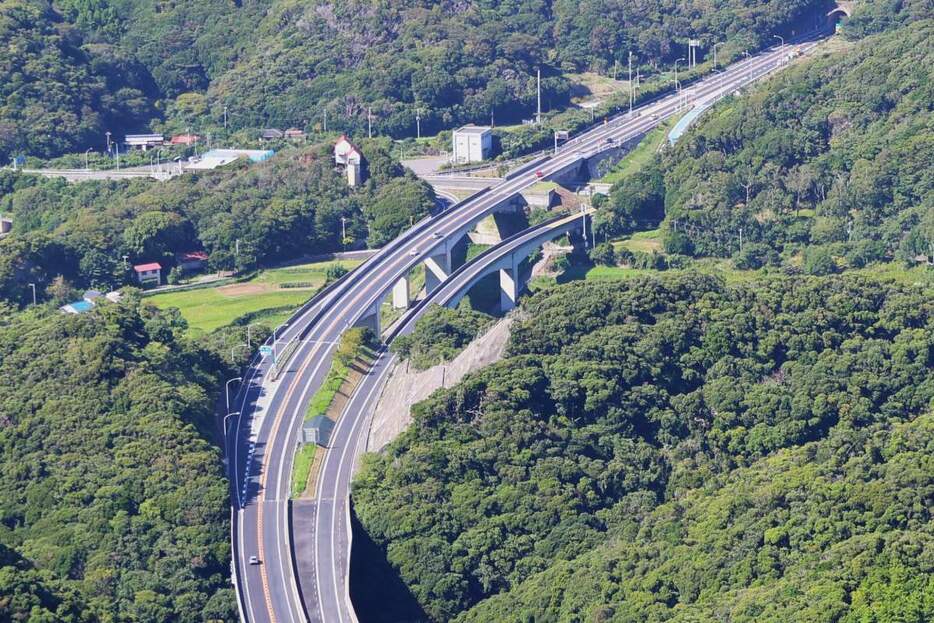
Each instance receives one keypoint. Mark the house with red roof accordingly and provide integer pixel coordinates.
(149, 274)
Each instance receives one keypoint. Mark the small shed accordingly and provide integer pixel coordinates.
(318, 430)
(149, 274)
(294, 134)
(272, 134)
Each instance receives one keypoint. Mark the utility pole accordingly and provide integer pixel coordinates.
(325, 119)
(33, 286)
(418, 123)
(343, 231)
(616, 66)
(86, 166)
(225, 117)
(632, 94)
(715, 54)
(538, 114)
(369, 122)
(749, 73)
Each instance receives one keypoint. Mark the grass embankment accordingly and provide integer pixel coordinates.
(641, 154)
(352, 359)
(272, 296)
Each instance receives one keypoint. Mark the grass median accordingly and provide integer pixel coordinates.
(350, 363)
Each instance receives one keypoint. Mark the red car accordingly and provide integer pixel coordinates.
(539, 174)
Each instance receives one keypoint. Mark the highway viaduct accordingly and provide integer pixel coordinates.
(270, 407)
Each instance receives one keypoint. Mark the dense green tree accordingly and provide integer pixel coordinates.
(671, 449)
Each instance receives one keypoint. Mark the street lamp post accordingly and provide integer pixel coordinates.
(715, 54)
(227, 391)
(343, 232)
(86, 166)
(677, 84)
(108, 142)
(418, 123)
(33, 286)
(782, 39)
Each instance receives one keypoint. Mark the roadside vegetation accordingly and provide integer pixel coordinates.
(440, 335)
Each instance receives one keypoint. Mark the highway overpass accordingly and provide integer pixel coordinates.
(269, 409)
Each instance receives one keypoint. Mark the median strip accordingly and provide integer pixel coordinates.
(351, 363)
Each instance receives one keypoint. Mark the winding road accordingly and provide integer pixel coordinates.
(269, 412)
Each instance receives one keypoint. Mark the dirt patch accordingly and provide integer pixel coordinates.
(244, 289)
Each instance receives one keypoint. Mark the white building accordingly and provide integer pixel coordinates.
(472, 143)
(347, 155)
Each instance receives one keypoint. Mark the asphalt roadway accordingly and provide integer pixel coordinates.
(266, 429)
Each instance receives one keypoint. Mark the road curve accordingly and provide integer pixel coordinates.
(265, 431)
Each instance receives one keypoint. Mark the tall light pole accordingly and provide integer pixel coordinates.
(631, 92)
(715, 54)
(538, 113)
(343, 231)
(782, 39)
(749, 72)
(86, 166)
(369, 122)
(418, 123)
(33, 286)
(227, 392)
(225, 117)
(108, 142)
(677, 84)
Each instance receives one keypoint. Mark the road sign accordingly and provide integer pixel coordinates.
(265, 351)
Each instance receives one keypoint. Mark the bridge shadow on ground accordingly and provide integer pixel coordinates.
(379, 595)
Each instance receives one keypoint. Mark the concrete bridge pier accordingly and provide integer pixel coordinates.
(437, 268)
(400, 293)
(510, 283)
(370, 318)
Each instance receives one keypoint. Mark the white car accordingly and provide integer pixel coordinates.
(254, 560)
(438, 235)
(413, 252)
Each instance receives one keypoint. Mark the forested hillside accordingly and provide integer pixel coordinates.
(287, 207)
(113, 501)
(675, 449)
(831, 160)
(81, 67)
(58, 93)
